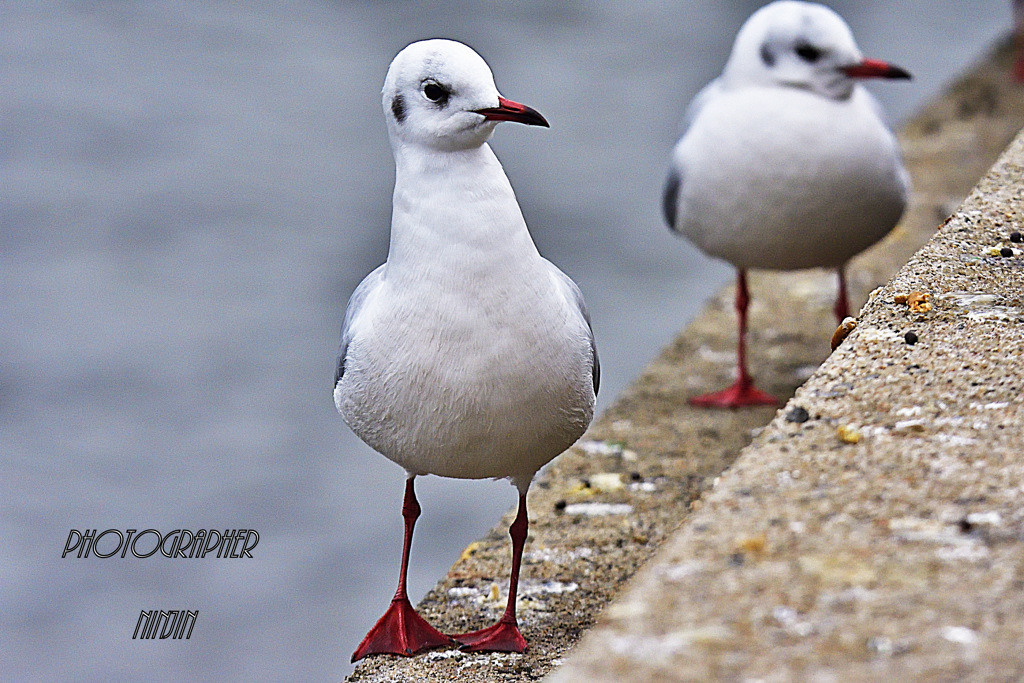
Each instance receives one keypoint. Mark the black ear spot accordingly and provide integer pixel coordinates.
(767, 56)
(398, 108)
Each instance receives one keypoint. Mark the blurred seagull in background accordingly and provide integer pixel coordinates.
(785, 162)
(466, 354)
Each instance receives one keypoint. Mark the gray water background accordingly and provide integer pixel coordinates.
(189, 193)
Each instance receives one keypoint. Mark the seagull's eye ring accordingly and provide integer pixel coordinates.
(808, 52)
(435, 92)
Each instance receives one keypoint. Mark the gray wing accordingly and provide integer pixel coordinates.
(355, 303)
(670, 196)
(674, 182)
(577, 297)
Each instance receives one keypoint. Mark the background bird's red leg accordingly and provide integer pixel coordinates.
(842, 307)
(742, 392)
(1018, 37)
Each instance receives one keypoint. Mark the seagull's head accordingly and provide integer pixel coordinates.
(801, 45)
(441, 94)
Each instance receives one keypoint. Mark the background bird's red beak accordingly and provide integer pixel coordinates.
(875, 68)
(507, 110)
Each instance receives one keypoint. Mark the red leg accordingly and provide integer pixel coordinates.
(742, 392)
(504, 636)
(842, 307)
(1018, 64)
(401, 631)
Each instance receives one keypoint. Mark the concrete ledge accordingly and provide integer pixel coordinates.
(604, 507)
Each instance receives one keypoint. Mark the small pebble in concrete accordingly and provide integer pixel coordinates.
(605, 482)
(753, 544)
(919, 302)
(601, 447)
(910, 426)
(797, 414)
(1006, 251)
(960, 634)
(598, 509)
(880, 645)
(910, 337)
(469, 550)
(848, 433)
(990, 518)
(843, 331)
(1016, 237)
(887, 647)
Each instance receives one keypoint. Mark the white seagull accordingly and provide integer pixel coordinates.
(466, 354)
(785, 162)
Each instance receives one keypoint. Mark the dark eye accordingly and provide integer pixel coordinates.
(808, 52)
(435, 93)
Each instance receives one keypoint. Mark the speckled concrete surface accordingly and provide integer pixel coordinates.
(605, 506)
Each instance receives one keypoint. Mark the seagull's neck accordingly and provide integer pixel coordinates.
(454, 210)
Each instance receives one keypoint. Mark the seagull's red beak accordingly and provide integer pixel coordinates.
(507, 110)
(875, 68)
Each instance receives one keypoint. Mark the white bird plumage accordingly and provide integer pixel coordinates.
(785, 161)
(467, 354)
(787, 165)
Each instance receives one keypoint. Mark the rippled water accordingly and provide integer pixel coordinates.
(190, 192)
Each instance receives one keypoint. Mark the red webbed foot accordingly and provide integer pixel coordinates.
(739, 395)
(502, 637)
(401, 631)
